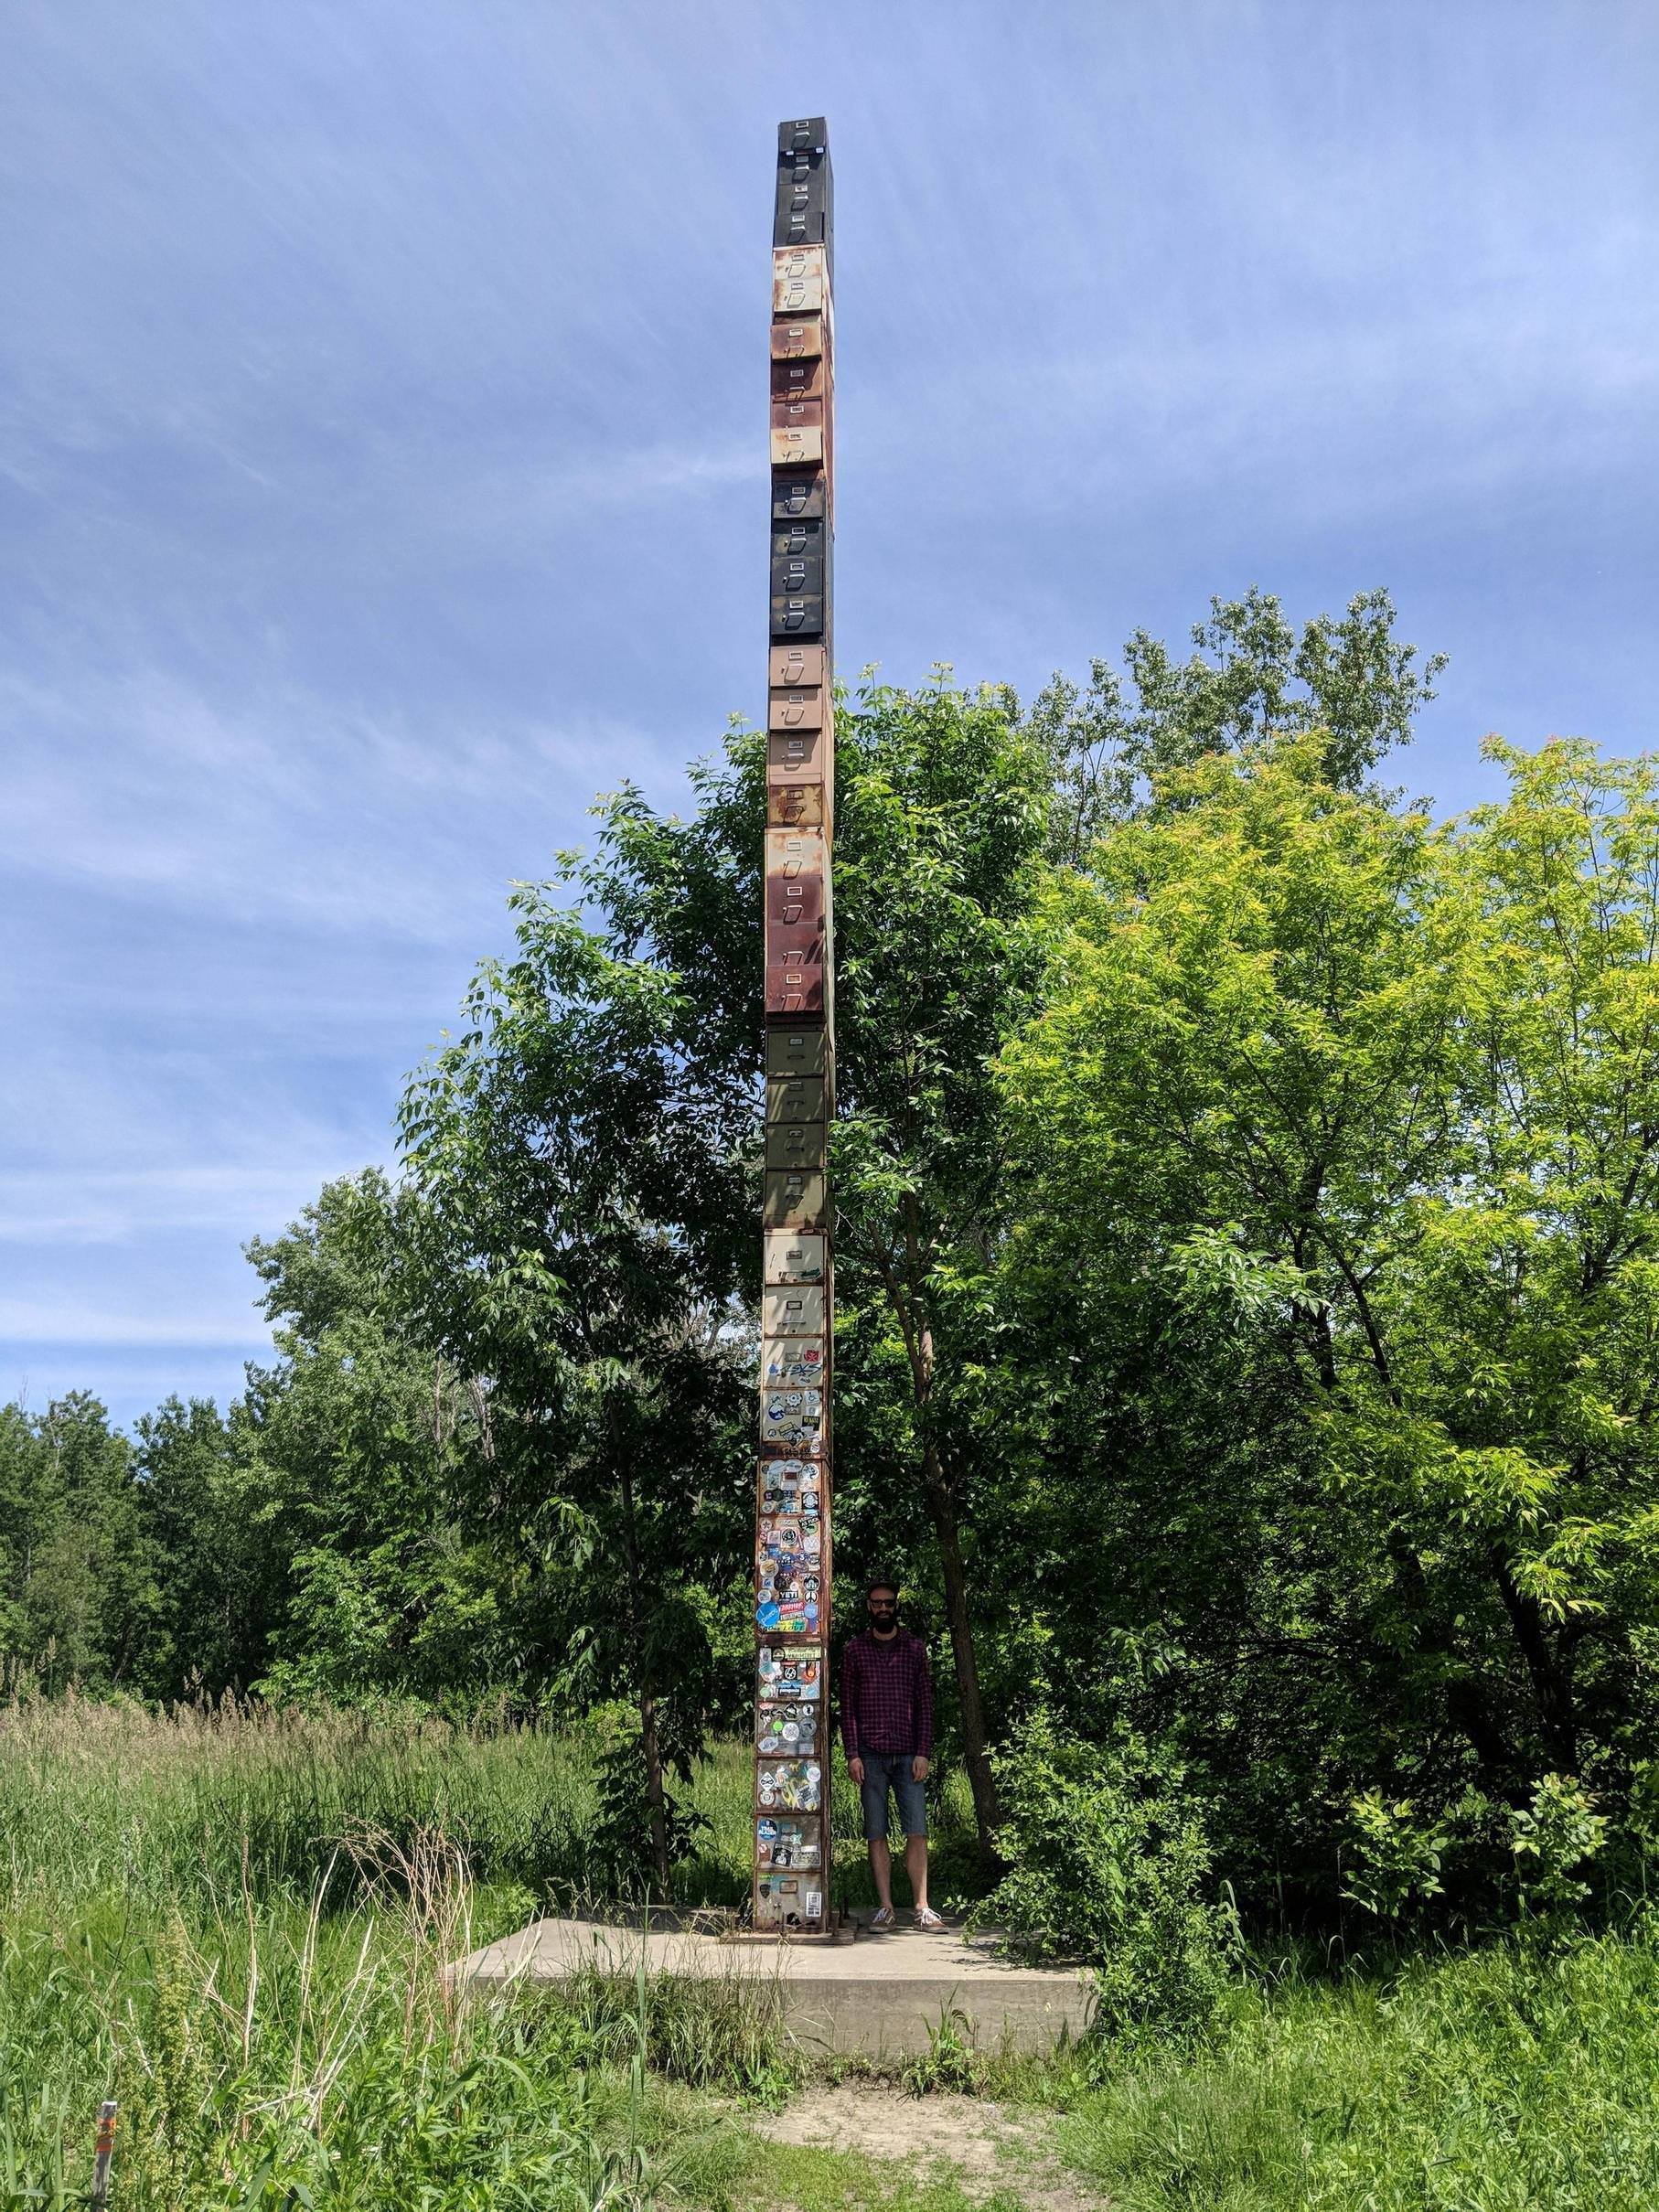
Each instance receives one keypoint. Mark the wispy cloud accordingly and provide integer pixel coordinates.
(382, 446)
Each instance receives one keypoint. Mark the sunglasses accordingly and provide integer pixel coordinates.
(883, 1605)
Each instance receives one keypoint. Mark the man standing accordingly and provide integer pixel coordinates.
(887, 1730)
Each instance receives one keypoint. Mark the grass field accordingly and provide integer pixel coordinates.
(236, 1924)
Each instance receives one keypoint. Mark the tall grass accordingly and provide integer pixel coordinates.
(1503, 2079)
(238, 1923)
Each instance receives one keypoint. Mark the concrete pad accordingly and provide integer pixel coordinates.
(881, 1995)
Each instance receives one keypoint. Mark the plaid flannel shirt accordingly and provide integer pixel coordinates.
(886, 1697)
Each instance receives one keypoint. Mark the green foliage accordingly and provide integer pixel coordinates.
(1341, 1173)
(1107, 1863)
(623, 1832)
(952, 2065)
(1396, 1860)
(1552, 1839)
(1505, 2079)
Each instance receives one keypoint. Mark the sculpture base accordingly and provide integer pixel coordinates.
(883, 1997)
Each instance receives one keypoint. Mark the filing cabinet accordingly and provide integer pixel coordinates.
(802, 340)
(796, 805)
(793, 1548)
(798, 573)
(792, 412)
(799, 491)
(803, 133)
(793, 990)
(792, 1363)
(795, 903)
(802, 378)
(797, 449)
(799, 616)
(795, 1198)
(795, 1098)
(799, 279)
(801, 708)
(795, 1259)
(798, 1051)
(797, 756)
(796, 667)
(795, 1144)
(802, 853)
(805, 189)
(792, 1309)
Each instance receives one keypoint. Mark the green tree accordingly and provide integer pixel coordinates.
(1340, 1133)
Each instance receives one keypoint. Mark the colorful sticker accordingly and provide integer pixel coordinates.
(792, 1843)
(788, 1549)
(788, 1727)
(790, 1784)
(790, 1485)
(792, 1363)
(791, 1418)
(789, 1674)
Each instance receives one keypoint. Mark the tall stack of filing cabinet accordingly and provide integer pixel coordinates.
(793, 1492)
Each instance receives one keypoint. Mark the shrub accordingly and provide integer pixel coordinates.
(1395, 1856)
(1107, 1862)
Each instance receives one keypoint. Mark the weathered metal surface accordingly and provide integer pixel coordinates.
(799, 447)
(797, 756)
(793, 1363)
(795, 901)
(793, 1546)
(795, 1259)
(801, 377)
(795, 990)
(792, 1309)
(799, 280)
(803, 491)
(797, 707)
(793, 666)
(803, 135)
(804, 205)
(803, 852)
(791, 1485)
(796, 806)
(797, 572)
(796, 1144)
(801, 616)
(799, 341)
(796, 1052)
(794, 1200)
(795, 1098)
(793, 413)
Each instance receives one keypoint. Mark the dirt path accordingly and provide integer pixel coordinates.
(990, 2145)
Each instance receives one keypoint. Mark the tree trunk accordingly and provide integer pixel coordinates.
(653, 1790)
(1552, 1685)
(976, 1751)
(650, 1742)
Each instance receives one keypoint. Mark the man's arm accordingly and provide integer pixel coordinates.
(924, 1702)
(850, 1697)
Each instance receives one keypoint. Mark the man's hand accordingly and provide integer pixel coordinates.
(919, 1768)
(855, 1767)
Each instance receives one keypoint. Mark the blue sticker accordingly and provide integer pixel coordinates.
(766, 1616)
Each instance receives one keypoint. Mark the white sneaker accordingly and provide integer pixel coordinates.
(927, 1918)
(883, 1917)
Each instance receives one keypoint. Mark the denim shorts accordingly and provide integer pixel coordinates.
(885, 1770)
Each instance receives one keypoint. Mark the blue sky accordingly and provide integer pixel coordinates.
(382, 450)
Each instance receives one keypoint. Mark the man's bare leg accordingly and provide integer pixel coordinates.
(881, 1866)
(916, 1866)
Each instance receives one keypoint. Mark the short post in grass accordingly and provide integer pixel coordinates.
(103, 2150)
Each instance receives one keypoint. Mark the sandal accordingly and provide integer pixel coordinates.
(883, 1917)
(927, 1918)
